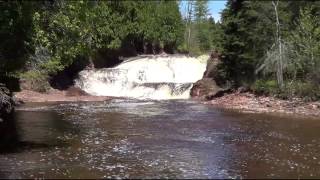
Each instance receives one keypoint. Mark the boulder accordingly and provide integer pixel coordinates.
(205, 89)
(211, 69)
(6, 104)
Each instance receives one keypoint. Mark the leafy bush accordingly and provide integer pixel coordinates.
(306, 90)
(265, 87)
(35, 80)
(183, 48)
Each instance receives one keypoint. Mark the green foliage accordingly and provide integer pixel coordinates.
(168, 18)
(15, 30)
(249, 47)
(202, 34)
(183, 48)
(36, 80)
(160, 23)
(203, 25)
(216, 36)
(247, 34)
(48, 36)
(201, 10)
(304, 41)
(265, 87)
(306, 90)
(76, 29)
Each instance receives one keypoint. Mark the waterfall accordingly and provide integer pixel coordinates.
(145, 77)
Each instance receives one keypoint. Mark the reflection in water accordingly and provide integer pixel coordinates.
(9, 139)
(156, 139)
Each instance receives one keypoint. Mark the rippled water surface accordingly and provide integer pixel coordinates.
(156, 139)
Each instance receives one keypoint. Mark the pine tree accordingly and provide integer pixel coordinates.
(247, 36)
(202, 25)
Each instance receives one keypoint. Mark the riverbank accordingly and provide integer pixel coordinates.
(56, 96)
(250, 103)
(244, 102)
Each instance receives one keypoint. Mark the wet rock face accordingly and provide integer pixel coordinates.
(211, 69)
(205, 89)
(6, 103)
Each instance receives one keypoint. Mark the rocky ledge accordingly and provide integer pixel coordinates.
(6, 104)
(72, 94)
(250, 103)
(205, 89)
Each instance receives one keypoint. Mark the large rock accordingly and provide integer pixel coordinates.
(212, 62)
(205, 89)
(8, 129)
(6, 104)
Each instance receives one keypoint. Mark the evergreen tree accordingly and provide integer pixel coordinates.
(247, 36)
(305, 43)
(202, 25)
(15, 33)
(161, 24)
(75, 29)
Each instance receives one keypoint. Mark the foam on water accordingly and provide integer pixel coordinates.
(145, 77)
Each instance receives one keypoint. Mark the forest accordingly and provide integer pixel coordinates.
(270, 47)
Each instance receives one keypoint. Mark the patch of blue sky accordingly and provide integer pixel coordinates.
(215, 8)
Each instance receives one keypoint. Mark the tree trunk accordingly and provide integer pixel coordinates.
(153, 45)
(190, 4)
(91, 64)
(145, 48)
(279, 44)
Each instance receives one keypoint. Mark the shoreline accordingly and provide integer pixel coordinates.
(250, 103)
(242, 102)
(27, 96)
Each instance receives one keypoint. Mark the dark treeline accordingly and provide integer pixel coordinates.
(272, 47)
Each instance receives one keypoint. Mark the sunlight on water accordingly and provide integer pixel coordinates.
(130, 138)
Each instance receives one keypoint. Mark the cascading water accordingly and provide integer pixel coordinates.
(145, 77)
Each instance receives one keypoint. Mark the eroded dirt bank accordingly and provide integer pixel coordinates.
(248, 102)
(56, 96)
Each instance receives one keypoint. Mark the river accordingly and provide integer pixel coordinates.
(123, 138)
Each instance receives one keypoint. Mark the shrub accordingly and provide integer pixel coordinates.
(265, 87)
(35, 80)
(306, 90)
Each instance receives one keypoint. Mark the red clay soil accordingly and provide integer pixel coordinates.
(55, 96)
(247, 102)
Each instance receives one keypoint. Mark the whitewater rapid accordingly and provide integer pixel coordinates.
(145, 77)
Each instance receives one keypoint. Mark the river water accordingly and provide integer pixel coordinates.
(156, 139)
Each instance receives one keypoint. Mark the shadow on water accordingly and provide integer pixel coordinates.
(9, 138)
(13, 140)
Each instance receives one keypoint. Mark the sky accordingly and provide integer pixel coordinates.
(215, 7)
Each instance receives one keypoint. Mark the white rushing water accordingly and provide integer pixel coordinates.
(145, 77)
